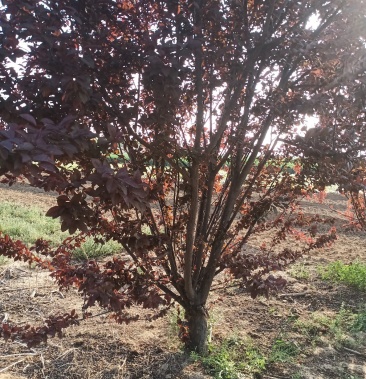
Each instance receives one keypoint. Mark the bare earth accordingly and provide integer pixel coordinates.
(100, 349)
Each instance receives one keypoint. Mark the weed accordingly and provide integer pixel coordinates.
(232, 357)
(175, 317)
(176, 327)
(359, 322)
(353, 274)
(272, 310)
(3, 261)
(297, 375)
(343, 328)
(218, 362)
(255, 361)
(299, 271)
(315, 327)
(346, 326)
(283, 351)
(92, 250)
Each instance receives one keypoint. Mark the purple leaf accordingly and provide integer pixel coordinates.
(29, 118)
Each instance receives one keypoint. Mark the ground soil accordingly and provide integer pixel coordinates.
(100, 349)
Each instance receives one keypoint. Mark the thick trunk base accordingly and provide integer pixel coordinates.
(197, 318)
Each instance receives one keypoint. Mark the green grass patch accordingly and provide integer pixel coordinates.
(314, 327)
(299, 271)
(28, 224)
(231, 358)
(359, 321)
(234, 357)
(255, 361)
(94, 250)
(353, 274)
(342, 328)
(283, 351)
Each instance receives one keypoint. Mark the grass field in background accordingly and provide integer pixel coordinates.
(28, 224)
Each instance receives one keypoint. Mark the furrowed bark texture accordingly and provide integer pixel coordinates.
(197, 318)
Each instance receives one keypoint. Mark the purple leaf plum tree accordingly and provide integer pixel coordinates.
(173, 127)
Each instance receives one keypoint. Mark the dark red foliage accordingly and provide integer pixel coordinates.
(33, 336)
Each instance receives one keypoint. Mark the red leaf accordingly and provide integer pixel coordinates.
(54, 212)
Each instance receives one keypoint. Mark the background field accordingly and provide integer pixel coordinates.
(315, 328)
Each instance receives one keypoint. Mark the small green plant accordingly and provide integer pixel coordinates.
(3, 261)
(299, 271)
(296, 375)
(175, 317)
(272, 310)
(283, 351)
(359, 322)
(315, 327)
(232, 357)
(255, 361)
(342, 328)
(176, 326)
(93, 250)
(353, 274)
(218, 362)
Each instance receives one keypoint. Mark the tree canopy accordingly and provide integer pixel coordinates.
(173, 127)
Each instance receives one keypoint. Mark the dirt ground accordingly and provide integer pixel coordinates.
(100, 349)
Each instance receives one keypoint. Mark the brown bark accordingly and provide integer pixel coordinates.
(197, 318)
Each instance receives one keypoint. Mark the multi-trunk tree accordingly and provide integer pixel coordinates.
(173, 127)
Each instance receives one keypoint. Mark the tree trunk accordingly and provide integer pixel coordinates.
(197, 317)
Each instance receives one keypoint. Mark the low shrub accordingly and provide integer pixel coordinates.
(353, 274)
